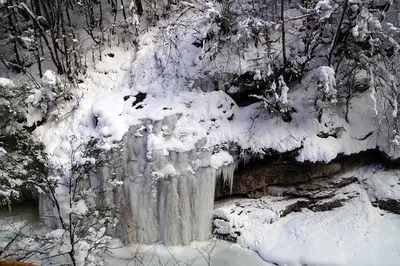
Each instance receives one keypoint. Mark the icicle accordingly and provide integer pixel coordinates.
(275, 191)
(373, 92)
(227, 173)
(246, 157)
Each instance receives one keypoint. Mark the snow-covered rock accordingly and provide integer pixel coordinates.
(301, 231)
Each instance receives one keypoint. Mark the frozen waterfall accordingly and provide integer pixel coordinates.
(168, 196)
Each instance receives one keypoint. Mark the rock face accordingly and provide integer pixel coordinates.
(391, 205)
(254, 179)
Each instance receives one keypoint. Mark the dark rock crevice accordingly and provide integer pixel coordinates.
(391, 205)
(254, 178)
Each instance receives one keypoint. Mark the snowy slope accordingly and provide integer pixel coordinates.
(214, 115)
(169, 69)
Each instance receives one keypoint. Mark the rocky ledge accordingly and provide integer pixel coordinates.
(315, 189)
(253, 179)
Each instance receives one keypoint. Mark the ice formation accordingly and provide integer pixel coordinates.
(168, 196)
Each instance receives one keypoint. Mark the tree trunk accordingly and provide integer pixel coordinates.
(283, 37)
(335, 38)
(139, 7)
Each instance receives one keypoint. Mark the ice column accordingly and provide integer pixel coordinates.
(167, 197)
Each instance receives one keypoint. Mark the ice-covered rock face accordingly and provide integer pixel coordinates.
(167, 196)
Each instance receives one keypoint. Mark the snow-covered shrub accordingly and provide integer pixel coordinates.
(296, 58)
(237, 27)
(12, 109)
(83, 209)
(326, 83)
(396, 141)
(21, 165)
(82, 213)
(43, 100)
(326, 89)
(275, 99)
(21, 155)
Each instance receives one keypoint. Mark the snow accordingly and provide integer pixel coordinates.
(318, 149)
(107, 110)
(396, 140)
(257, 75)
(50, 78)
(81, 253)
(205, 115)
(177, 118)
(109, 105)
(362, 238)
(201, 118)
(5, 82)
(169, 170)
(284, 91)
(355, 234)
(381, 184)
(196, 254)
(35, 97)
(75, 116)
(222, 158)
(170, 148)
(79, 207)
(166, 74)
(326, 76)
(233, 89)
(58, 233)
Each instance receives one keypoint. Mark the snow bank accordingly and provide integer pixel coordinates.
(74, 118)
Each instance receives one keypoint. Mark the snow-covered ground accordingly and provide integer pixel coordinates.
(21, 218)
(214, 252)
(355, 234)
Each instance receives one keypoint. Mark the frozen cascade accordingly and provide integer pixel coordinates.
(168, 196)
